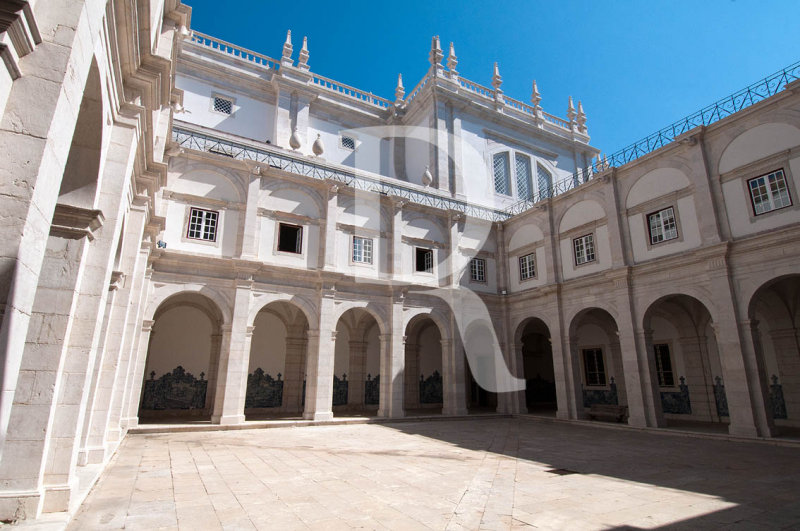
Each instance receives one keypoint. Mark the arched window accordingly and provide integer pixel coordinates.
(523, 171)
(545, 182)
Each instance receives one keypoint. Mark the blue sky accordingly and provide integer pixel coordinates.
(637, 66)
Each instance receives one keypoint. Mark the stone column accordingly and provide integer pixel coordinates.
(651, 390)
(234, 360)
(294, 371)
(574, 378)
(320, 362)
(357, 375)
(412, 374)
(392, 365)
(560, 373)
(787, 354)
(753, 348)
(397, 239)
(328, 238)
(453, 378)
(699, 377)
(251, 228)
(143, 344)
(439, 140)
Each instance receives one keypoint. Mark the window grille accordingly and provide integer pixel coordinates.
(362, 250)
(223, 105)
(593, 366)
(290, 238)
(662, 226)
(527, 266)
(545, 182)
(769, 192)
(202, 225)
(424, 260)
(584, 249)
(666, 377)
(501, 178)
(523, 167)
(348, 142)
(477, 269)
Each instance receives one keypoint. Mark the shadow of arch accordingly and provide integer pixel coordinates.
(532, 339)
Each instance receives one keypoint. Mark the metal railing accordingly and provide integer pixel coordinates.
(198, 141)
(769, 86)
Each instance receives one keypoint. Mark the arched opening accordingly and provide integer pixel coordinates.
(478, 337)
(424, 385)
(596, 354)
(681, 343)
(182, 357)
(774, 313)
(356, 373)
(276, 373)
(533, 341)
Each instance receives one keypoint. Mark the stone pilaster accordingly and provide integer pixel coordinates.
(574, 379)
(251, 227)
(294, 371)
(453, 378)
(357, 374)
(320, 362)
(328, 242)
(392, 365)
(412, 374)
(650, 389)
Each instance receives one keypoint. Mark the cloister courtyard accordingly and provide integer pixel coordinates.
(480, 473)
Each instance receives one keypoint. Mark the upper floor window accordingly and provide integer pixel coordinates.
(423, 261)
(545, 182)
(477, 270)
(348, 142)
(523, 170)
(290, 238)
(584, 249)
(594, 370)
(662, 226)
(769, 192)
(502, 183)
(527, 266)
(223, 105)
(362, 250)
(664, 365)
(202, 225)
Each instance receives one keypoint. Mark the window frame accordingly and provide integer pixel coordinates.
(601, 371)
(506, 154)
(652, 215)
(203, 226)
(520, 260)
(299, 244)
(769, 192)
(660, 371)
(217, 96)
(341, 142)
(575, 249)
(427, 270)
(364, 250)
(474, 270)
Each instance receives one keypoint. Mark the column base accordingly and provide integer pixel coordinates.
(563, 415)
(129, 422)
(226, 420)
(455, 412)
(20, 505)
(91, 455)
(742, 431)
(637, 422)
(57, 498)
(318, 415)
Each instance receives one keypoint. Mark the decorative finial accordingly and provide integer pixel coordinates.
(318, 147)
(496, 79)
(302, 61)
(581, 118)
(294, 140)
(571, 110)
(452, 61)
(535, 96)
(436, 56)
(286, 58)
(400, 90)
(427, 178)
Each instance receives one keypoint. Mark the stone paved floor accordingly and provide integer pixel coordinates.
(473, 474)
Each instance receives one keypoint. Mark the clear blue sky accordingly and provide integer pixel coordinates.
(637, 66)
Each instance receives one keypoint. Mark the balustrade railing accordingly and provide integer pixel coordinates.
(413, 94)
(349, 91)
(207, 41)
(476, 88)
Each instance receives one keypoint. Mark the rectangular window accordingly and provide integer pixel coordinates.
(290, 238)
(500, 163)
(769, 192)
(662, 226)
(527, 266)
(477, 270)
(594, 369)
(523, 167)
(664, 365)
(584, 249)
(424, 260)
(348, 143)
(202, 225)
(362, 250)
(223, 105)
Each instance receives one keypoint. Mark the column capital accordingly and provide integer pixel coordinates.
(226, 328)
(147, 325)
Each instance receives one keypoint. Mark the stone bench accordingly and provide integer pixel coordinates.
(608, 411)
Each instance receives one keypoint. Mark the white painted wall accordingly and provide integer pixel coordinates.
(602, 251)
(688, 232)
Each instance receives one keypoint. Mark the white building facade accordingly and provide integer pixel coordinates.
(198, 231)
